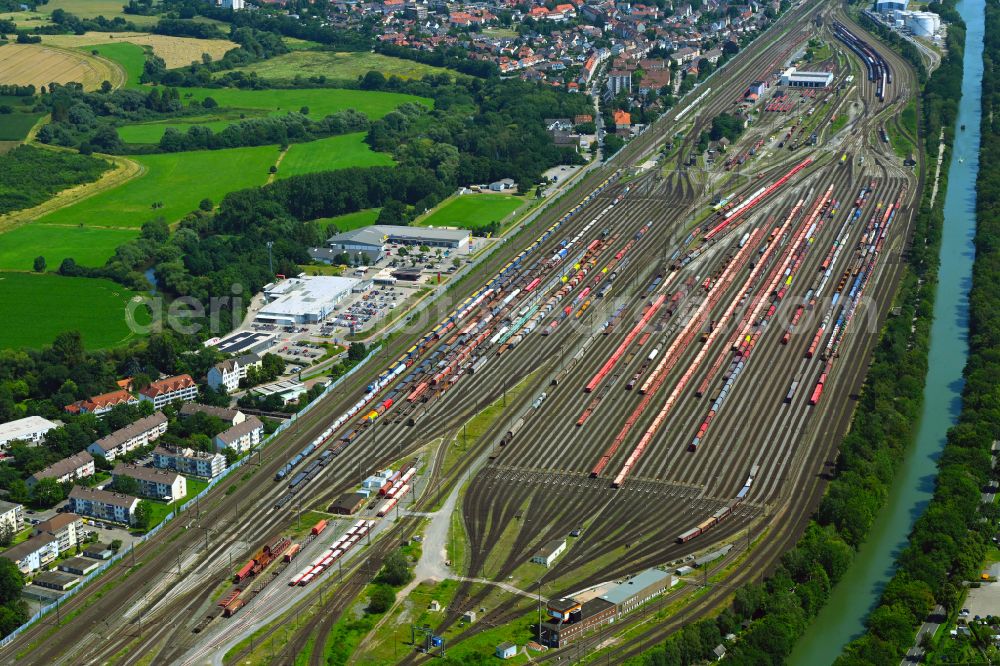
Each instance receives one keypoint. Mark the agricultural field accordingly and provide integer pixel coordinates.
(37, 307)
(88, 246)
(362, 218)
(330, 154)
(26, 20)
(250, 103)
(178, 181)
(129, 56)
(335, 65)
(25, 64)
(93, 8)
(15, 126)
(471, 211)
(175, 51)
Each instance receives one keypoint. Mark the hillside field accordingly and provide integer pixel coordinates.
(178, 180)
(330, 154)
(38, 65)
(362, 218)
(35, 308)
(175, 51)
(321, 102)
(87, 246)
(335, 65)
(129, 56)
(471, 211)
(93, 8)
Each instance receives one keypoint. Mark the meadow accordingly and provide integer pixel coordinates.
(330, 154)
(129, 56)
(178, 181)
(321, 102)
(335, 65)
(350, 221)
(92, 8)
(85, 245)
(37, 307)
(471, 211)
(15, 126)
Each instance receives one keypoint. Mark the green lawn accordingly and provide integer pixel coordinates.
(86, 245)
(335, 152)
(35, 308)
(130, 56)
(251, 103)
(335, 65)
(350, 221)
(161, 509)
(177, 180)
(15, 126)
(471, 211)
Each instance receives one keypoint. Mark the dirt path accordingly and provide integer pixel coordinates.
(277, 165)
(123, 171)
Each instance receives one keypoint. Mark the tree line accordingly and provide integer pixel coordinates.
(776, 611)
(30, 175)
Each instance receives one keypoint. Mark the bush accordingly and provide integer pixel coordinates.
(382, 598)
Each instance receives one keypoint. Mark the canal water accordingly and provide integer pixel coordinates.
(842, 619)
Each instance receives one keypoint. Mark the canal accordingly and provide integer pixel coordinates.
(842, 619)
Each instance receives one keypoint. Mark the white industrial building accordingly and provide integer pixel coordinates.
(30, 429)
(303, 300)
(889, 6)
(367, 244)
(793, 78)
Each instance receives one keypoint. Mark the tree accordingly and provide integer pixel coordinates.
(18, 492)
(39, 264)
(395, 570)
(116, 545)
(304, 110)
(381, 599)
(143, 515)
(357, 351)
(456, 262)
(6, 534)
(126, 485)
(106, 86)
(209, 103)
(206, 204)
(46, 493)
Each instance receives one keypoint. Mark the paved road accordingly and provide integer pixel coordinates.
(930, 626)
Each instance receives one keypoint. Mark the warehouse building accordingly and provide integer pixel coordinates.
(793, 78)
(348, 504)
(55, 580)
(303, 300)
(889, 6)
(30, 429)
(78, 566)
(571, 618)
(370, 242)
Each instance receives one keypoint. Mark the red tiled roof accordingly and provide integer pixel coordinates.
(100, 401)
(168, 385)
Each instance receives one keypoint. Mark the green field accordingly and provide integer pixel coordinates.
(334, 65)
(87, 246)
(251, 103)
(92, 8)
(15, 126)
(330, 154)
(35, 308)
(350, 221)
(471, 211)
(130, 56)
(177, 180)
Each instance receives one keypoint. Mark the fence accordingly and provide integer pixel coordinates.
(45, 610)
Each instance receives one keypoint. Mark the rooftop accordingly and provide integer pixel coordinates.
(25, 428)
(64, 466)
(150, 474)
(5, 507)
(167, 385)
(104, 496)
(296, 297)
(191, 408)
(56, 523)
(240, 429)
(102, 401)
(22, 550)
(624, 591)
(119, 437)
(380, 233)
(552, 546)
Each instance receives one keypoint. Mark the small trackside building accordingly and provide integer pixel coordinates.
(593, 613)
(506, 651)
(180, 388)
(548, 553)
(241, 437)
(141, 433)
(348, 504)
(77, 466)
(154, 483)
(103, 504)
(30, 429)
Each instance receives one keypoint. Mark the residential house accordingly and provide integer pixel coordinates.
(241, 437)
(12, 516)
(189, 461)
(227, 375)
(230, 416)
(155, 483)
(164, 391)
(101, 404)
(66, 528)
(131, 437)
(623, 121)
(77, 466)
(103, 504)
(30, 429)
(34, 553)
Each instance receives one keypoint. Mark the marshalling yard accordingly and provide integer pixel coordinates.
(677, 348)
